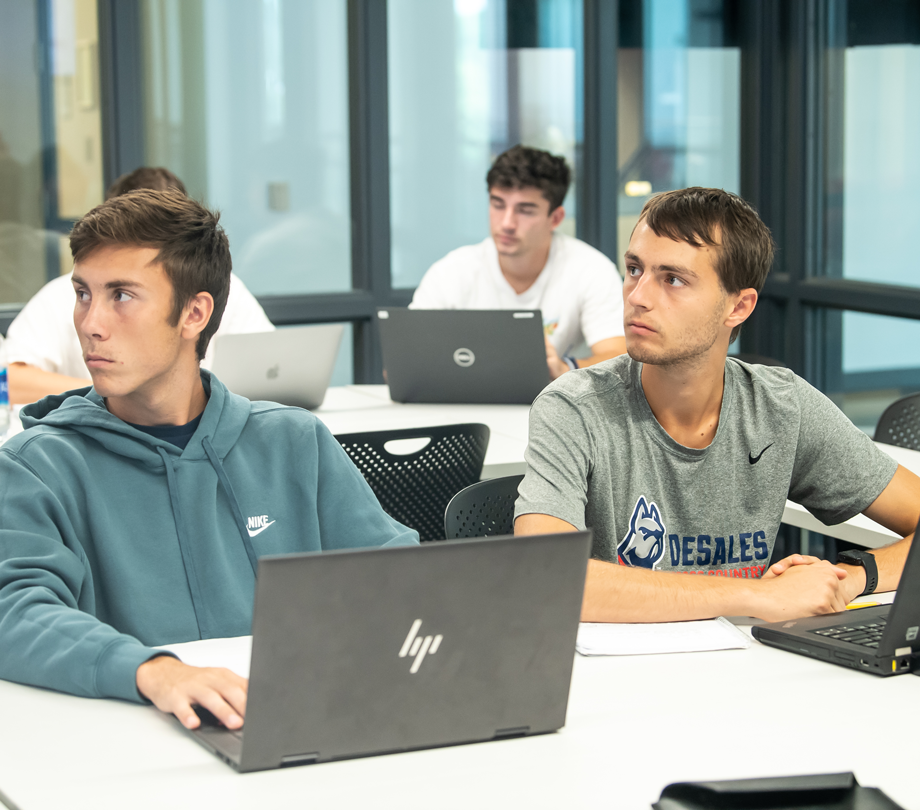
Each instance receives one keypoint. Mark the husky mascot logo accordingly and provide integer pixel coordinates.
(643, 546)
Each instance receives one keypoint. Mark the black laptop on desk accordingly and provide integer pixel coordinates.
(374, 651)
(882, 640)
(463, 356)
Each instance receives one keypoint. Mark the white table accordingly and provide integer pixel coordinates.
(359, 408)
(860, 530)
(634, 725)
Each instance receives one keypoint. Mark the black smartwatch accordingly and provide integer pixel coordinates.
(867, 561)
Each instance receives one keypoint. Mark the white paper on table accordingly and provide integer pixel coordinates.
(232, 653)
(664, 637)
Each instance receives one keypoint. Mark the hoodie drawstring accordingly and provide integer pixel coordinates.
(190, 575)
(234, 504)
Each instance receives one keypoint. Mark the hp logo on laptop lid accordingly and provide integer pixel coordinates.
(419, 646)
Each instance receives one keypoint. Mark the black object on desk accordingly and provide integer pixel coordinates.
(883, 640)
(418, 647)
(829, 791)
(479, 356)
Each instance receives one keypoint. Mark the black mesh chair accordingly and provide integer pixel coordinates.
(483, 509)
(415, 487)
(900, 423)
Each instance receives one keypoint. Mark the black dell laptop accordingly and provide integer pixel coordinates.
(463, 356)
(373, 651)
(882, 640)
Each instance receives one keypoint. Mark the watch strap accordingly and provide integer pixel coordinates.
(867, 561)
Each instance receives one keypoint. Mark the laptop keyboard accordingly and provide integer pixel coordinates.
(865, 635)
(208, 720)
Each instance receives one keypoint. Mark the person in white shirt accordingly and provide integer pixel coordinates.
(527, 264)
(42, 350)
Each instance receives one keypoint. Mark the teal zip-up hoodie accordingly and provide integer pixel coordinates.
(113, 541)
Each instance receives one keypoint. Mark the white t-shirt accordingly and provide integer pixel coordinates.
(43, 333)
(579, 290)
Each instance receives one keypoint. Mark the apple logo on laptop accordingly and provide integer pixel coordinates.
(273, 372)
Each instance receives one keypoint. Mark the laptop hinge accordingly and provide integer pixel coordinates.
(292, 760)
(516, 731)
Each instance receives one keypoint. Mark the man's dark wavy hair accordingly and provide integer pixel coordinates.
(155, 177)
(192, 247)
(523, 167)
(719, 219)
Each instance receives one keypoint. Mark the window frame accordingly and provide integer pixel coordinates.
(785, 59)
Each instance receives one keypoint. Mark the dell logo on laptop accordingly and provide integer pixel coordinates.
(464, 358)
(419, 646)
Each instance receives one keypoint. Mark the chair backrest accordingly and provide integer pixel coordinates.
(415, 488)
(759, 360)
(900, 423)
(483, 509)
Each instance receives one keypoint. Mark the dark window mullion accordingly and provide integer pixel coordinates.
(763, 157)
(121, 88)
(598, 179)
(370, 173)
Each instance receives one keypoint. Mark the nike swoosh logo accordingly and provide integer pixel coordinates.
(754, 459)
(259, 531)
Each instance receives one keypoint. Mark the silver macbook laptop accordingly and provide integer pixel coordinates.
(373, 651)
(463, 355)
(292, 365)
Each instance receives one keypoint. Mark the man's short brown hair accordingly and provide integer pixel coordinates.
(192, 247)
(155, 177)
(721, 220)
(523, 167)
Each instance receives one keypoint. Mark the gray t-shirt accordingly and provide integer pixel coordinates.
(598, 458)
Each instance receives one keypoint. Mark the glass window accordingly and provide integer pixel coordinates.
(50, 168)
(678, 101)
(868, 361)
(247, 102)
(77, 117)
(874, 170)
(22, 251)
(872, 211)
(468, 79)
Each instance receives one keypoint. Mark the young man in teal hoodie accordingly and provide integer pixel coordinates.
(133, 513)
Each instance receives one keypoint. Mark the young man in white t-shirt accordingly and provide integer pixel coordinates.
(527, 264)
(43, 351)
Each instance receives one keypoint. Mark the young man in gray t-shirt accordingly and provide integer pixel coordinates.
(681, 460)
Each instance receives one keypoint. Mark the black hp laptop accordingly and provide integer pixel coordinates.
(881, 640)
(356, 653)
(463, 355)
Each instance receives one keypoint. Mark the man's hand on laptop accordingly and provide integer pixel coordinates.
(802, 586)
(174, 687)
